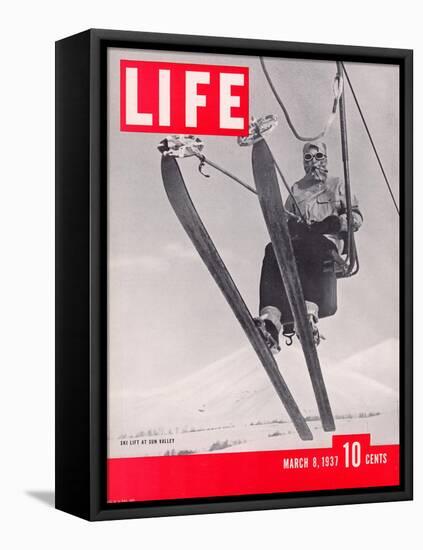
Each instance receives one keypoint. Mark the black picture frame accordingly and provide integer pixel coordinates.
(81, 272)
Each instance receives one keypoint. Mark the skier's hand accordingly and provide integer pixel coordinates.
(356, 222)
(344, 223)
(291, 216)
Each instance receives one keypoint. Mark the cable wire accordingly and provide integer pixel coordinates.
(370, 137)
(337, 89)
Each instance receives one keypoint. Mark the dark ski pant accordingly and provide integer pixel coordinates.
(316, 269)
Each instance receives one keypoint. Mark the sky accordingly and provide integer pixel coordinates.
(167, 318)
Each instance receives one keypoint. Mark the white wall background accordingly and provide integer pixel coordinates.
(28, 32)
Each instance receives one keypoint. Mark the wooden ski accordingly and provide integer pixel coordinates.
(271, 203)
(188, 216)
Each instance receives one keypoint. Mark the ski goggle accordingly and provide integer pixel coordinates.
(318, 156)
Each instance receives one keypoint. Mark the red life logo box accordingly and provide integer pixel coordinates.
(182, 98)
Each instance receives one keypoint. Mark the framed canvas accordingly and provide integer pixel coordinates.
(233, 274)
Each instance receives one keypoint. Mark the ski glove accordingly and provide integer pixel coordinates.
(356, 221)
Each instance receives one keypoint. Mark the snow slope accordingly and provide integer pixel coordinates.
(234, 393)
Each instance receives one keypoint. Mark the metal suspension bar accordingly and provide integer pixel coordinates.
(351, 249)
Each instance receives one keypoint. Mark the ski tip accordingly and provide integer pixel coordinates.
(329, 425)
(305, 434)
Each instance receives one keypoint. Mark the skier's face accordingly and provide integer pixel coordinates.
(315, 163)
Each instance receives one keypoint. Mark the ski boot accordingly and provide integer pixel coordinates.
(313, 317)
(269, 325)
(270, 334)
(289, 329)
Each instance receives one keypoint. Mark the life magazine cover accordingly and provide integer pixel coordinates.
(253, 275)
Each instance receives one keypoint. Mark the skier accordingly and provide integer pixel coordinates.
(318, 226)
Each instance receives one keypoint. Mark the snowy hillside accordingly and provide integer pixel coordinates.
(234, 394)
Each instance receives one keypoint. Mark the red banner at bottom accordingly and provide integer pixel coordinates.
(351, 462)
